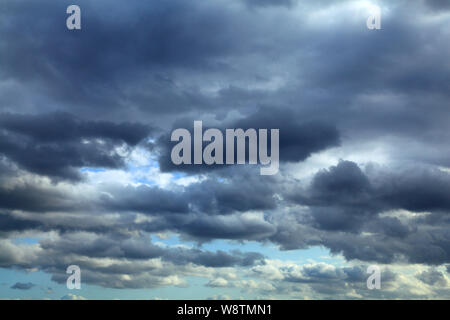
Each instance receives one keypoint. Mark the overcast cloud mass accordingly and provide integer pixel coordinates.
(86, 176)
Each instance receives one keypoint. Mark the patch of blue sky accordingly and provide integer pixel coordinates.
(93, 170)
(178, 175)
(43, 286)
(271, 251)
(25, 240)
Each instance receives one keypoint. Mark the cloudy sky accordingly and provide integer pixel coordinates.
(86, 177)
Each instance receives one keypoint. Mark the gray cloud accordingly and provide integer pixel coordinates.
(57, 144)
(433, 278)
(297, 141)
(438, 4)
(141, 248)
(348, 191)
(22, 286)
(345, 202)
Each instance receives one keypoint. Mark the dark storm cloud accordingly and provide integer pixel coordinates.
(340, 197)
(63, 127)
(122, 58)
(417, 190)
(148, 77)
(58, 144)
(209, 197)
(10, 223)
(299, 138)
(33, 198)
(343, 197)
(234, 227)
(370, 89)
(392, 227)
(342, 184)
(346, 70)
(199, 209)
(297, 141)
(424, 246)
(146, 199)
(214, 259)
(243, 191)
(345, 201)
(23, 286)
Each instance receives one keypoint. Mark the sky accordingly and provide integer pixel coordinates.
(86, 176)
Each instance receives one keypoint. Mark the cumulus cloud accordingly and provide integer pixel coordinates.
(71, 296)
(433, 277)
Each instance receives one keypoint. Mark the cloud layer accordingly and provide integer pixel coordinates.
(85, 123)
